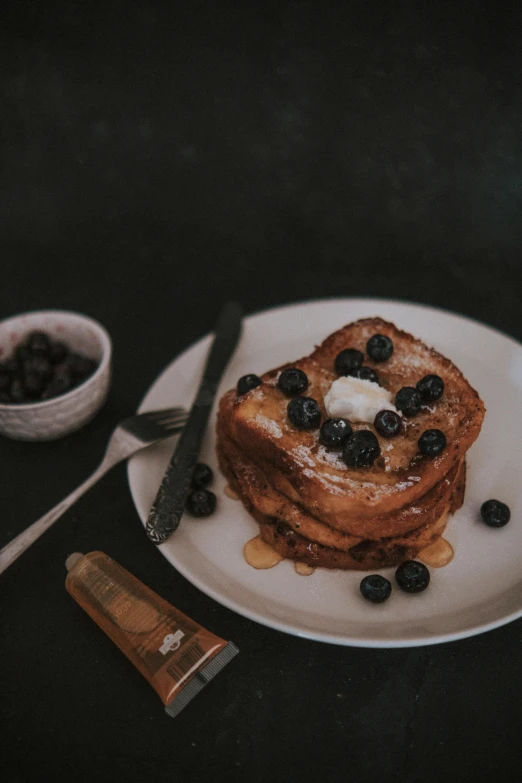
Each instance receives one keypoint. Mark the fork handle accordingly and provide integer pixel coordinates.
(18, 545)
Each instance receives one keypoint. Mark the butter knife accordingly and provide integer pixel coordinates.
(167, 509)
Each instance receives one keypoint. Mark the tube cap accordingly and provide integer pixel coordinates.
(72, 560)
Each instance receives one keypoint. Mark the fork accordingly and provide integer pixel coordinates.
(130, 436)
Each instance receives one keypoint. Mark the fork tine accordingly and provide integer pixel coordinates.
(168, 417)
(174, 426)
(158, 415)
(173, 421)
(176, 419)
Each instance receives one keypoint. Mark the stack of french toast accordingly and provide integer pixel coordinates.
(369, 490)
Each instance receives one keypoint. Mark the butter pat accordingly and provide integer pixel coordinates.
(357, 400)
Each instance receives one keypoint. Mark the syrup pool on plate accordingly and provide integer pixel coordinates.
(303, 569)
(438, 554)
(259, 554)
(230, 492)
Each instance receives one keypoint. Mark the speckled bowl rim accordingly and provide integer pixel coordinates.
(102, 366)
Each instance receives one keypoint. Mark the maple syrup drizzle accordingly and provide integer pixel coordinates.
(259, 554)
(303, 569)
(438, 554)
(230, 492)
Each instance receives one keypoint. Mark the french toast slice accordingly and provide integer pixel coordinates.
(299, 467)
(272, 492)
(362, 554)
(368, 555)
(256, 490)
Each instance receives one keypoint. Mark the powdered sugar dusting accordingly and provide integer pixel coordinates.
(314, 475)
(312, 469)
(303, 455)
(269, 425)
(404, 484)
(413, 361)
(416, 357)
(256, 394)
(332, 458)
(348, 484)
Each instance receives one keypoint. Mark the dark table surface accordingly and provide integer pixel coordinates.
(158, 159)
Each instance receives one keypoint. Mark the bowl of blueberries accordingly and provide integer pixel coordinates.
(55, 370)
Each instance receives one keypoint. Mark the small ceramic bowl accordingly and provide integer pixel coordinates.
(61, 415)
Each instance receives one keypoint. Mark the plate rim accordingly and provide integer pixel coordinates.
(274, 623)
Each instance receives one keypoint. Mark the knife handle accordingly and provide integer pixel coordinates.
(176, 483)
(161, 524)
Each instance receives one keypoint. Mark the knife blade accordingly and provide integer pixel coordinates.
(167, 509)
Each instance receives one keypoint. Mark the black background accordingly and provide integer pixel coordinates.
(156, 159)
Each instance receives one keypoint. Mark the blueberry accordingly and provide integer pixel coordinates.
(81, 366)
(201, 503)
(495, 513)
(431, 387)
(412, 576)
(361, 449)
(432, 443)
(63, 371)
(16, 391)
(387, 423)
(379, 348)
(202, 476)
(59, 384)
(57, 352)
(33, 384)
(334, 432)
(22, 353)
(365, 374)
(293, 381)
(348, 360)
(248, 382)
(38, 365)
(38, 343)
(375, 588)
(11, 366)
(62, 381)
(408, 400)
(304, 413)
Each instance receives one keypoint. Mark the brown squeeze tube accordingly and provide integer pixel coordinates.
(175, 654)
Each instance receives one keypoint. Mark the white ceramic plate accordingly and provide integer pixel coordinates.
(479, 590)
